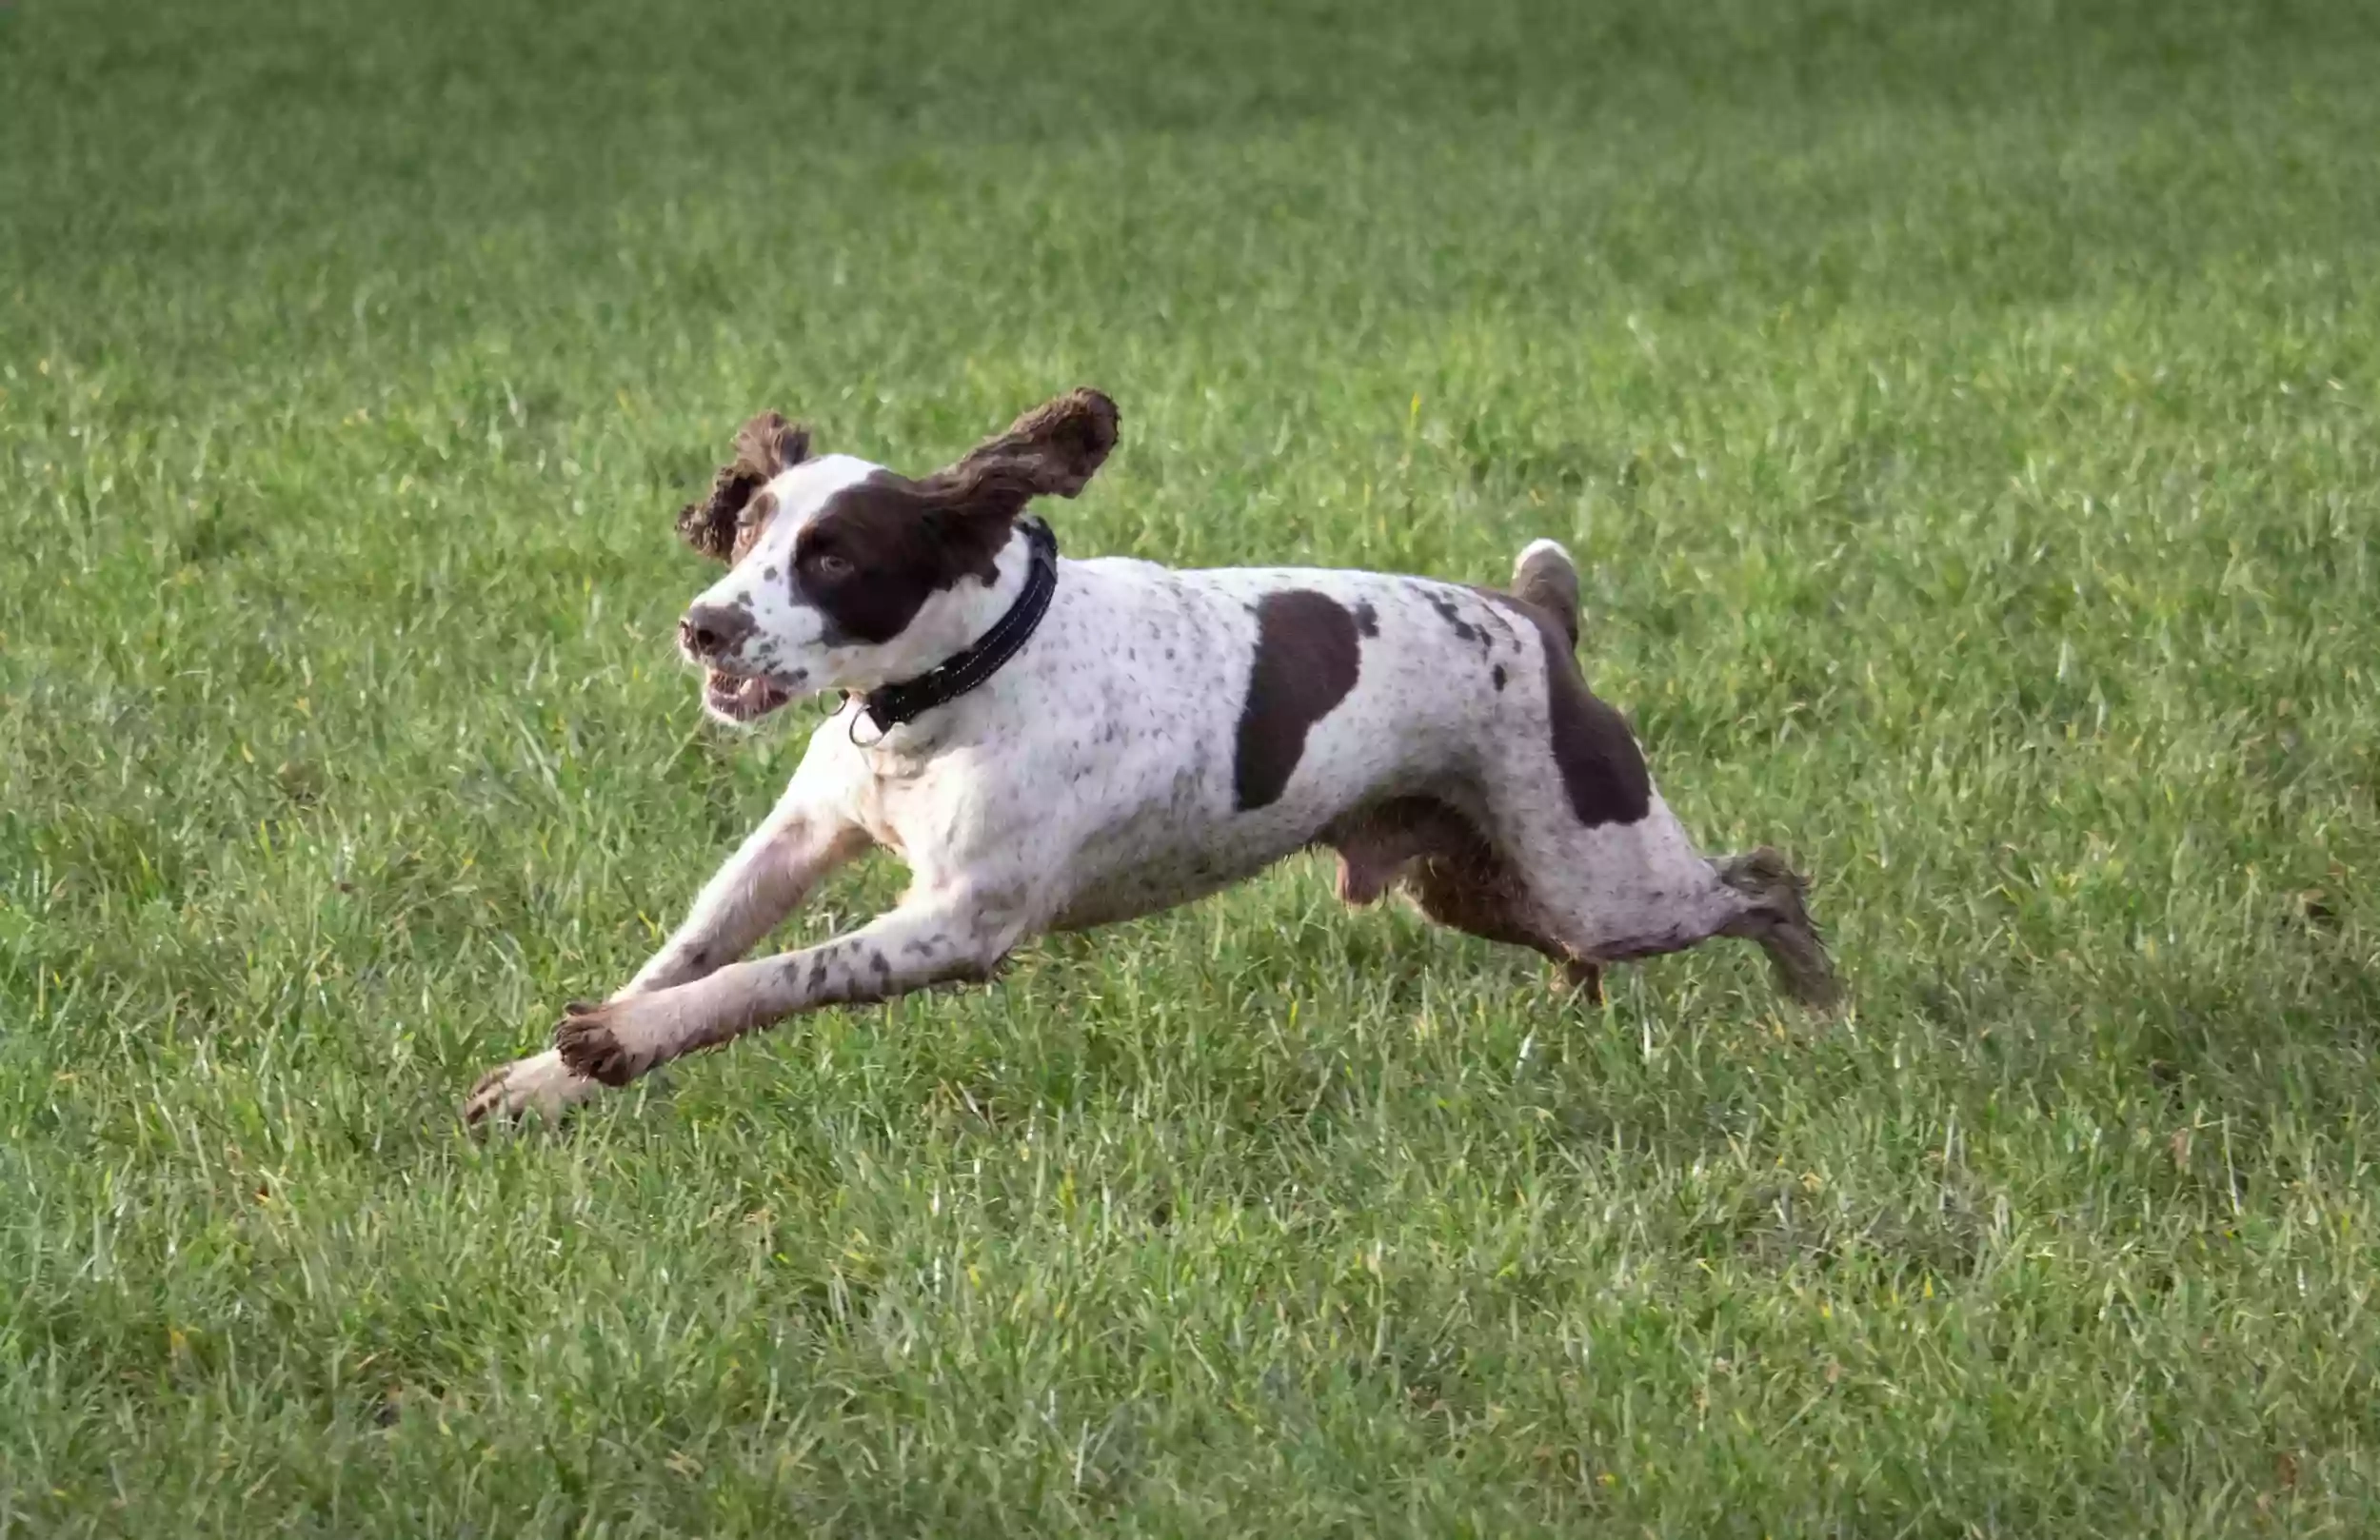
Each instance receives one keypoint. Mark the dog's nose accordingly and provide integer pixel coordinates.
(709, 630)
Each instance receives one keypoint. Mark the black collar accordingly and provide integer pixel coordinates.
(892, 705)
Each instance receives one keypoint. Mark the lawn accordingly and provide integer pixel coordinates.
(1968, 419)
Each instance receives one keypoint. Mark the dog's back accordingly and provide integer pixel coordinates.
(1171, 732)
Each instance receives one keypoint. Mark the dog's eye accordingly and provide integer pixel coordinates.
(830, 566)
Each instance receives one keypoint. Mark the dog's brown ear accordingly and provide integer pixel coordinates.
(709, 525)
(770, 445)
(1053, 449)
(764, 446)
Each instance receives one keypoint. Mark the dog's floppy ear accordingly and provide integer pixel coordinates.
(1053, 449)
(764, 446)
(770, 445)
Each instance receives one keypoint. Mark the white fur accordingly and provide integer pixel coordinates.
(1091, 780)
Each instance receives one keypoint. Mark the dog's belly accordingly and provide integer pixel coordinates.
(1184, 839)
(1145, 866)
(1134, 893)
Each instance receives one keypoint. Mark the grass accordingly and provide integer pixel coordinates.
(1968, 418)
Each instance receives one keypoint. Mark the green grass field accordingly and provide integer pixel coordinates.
(1968, 418)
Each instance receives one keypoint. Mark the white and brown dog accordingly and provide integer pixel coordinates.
(1054, 745)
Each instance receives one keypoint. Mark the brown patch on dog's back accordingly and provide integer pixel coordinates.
(1308, 652)
(1602, 769)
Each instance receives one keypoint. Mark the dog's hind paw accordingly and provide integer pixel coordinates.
(541, 1084)
(1778, 917)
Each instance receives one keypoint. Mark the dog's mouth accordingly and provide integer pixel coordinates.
(740, 698)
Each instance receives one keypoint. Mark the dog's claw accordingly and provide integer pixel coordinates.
(590, 1046)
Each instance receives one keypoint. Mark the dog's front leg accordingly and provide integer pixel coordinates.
(928, 940)
(759, 885)
(805, 837)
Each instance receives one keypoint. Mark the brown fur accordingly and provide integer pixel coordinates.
(1549, 583)
(1307, 656)
(1602, 769)
(1441, 860)
(764, 445)
(1051, 451)
(1440, 857)
(1781, 924)
(901, 541)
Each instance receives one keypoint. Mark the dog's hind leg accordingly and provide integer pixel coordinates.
(1436, 856)
(1604, 867)
(1621, 892)
(1483, 899)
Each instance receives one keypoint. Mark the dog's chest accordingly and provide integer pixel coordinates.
(1103, 736)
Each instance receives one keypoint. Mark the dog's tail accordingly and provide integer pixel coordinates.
(1546, 577)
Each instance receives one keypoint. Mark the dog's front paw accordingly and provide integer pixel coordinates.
(587, 1040)
(541, 1084)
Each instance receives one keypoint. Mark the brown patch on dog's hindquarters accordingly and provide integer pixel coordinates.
(1602, 769)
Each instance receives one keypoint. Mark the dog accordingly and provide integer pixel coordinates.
(1052, 745)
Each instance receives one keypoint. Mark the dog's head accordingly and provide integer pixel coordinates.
(843, 575)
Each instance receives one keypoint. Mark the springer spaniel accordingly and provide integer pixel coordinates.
(1050, 745)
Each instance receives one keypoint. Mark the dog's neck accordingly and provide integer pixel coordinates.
(975, 634)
